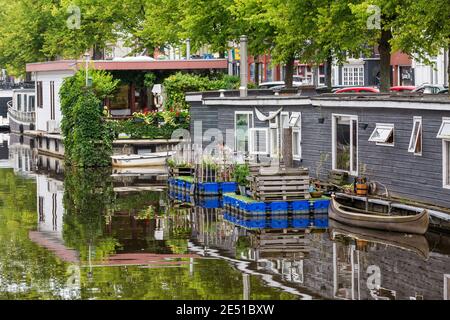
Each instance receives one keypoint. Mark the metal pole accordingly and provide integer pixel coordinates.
(87, 68)
(244, 67)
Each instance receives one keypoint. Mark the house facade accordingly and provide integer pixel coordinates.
(398, 142)
(49, 77)
(436, 73)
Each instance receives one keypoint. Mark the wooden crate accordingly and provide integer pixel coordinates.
(182, 172)
(284, 185)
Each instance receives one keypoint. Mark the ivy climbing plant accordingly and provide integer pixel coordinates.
(87, 137)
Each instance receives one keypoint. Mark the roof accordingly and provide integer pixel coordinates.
(439, 102)
(67, 65)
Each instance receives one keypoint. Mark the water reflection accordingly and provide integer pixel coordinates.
(97, 234)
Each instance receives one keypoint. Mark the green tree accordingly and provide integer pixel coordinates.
(423, 29)
(23, 26)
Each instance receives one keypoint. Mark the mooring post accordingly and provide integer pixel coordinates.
(287, 148)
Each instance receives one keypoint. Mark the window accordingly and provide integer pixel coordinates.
(56, 145)
(296, 123)
(444, 131)
(353, 75)
(31, 103)
(446, 163)
(243, 121)
(274, 136)
(284, 125)
(383, 134)
(25, 102)
(259, 141)
(19, 102)
(296, 144)
(345, 143)
(415, 143)
(39, 94)
(52, 100)
(444, 134)
(41, 209)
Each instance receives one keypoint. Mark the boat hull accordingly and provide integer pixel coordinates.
(133, 161)
(413, 242)
(415, 224)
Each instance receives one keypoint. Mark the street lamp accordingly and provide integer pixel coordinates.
(86, 58)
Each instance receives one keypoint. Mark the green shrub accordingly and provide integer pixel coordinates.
(87, 138)
(177, 85)
(240, 174)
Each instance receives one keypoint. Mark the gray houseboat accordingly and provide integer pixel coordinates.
(400, 142)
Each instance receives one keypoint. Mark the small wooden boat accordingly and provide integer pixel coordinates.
(141, 160)
(412, 222)
(410, 242)
(140, 171)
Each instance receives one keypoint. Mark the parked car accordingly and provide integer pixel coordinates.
(277, 85)
(358, 90)
(402, 88)
(429, 88)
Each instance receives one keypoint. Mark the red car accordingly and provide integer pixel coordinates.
(358, 90)
(402, 88)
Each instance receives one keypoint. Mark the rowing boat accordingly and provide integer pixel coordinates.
(411, 222)
(141, 160)
(410, 242)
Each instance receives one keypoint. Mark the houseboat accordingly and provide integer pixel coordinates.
(5, 100)
(21, 111)
(399, 143)
(49, 77)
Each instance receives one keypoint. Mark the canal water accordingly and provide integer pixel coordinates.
(96, 234)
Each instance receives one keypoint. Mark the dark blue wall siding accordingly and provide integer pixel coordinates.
(406, 175)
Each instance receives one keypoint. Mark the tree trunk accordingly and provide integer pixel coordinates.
(256, 70)
(385, 60)
(98, 53)
(329, 71)
(289, 76)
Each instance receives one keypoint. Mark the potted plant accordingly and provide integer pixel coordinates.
(361, 183)
(240, 174)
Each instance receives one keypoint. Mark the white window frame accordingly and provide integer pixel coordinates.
(445, 121)
(388, 126)
(352, 171)
(353, 75)
(274, 141)
(283, 113)
(445, 163)
(251, 144)
(274, 122)
(446, 287)
(414, 140)
(299, 143)
(296, 127)
(250, 125)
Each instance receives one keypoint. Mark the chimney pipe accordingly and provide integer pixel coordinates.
(244, 67)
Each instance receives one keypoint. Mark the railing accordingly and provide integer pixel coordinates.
(21, 116)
